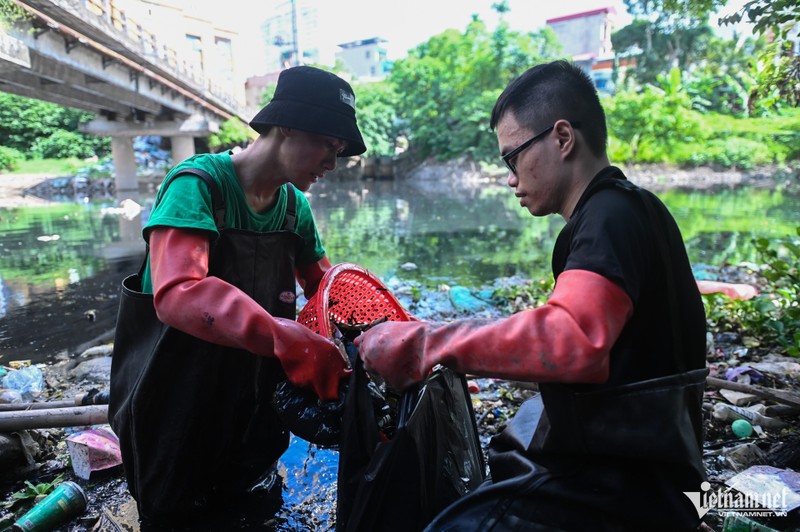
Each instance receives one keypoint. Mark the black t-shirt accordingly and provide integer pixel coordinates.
(611, 233)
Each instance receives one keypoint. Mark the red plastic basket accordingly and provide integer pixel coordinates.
(349, 294)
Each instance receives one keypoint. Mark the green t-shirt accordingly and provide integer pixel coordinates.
(186, 203)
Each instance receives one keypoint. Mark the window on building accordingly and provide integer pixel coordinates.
(224, 53)
(367, 54)
(196, 51)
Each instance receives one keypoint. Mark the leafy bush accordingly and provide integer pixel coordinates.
(62, 144)
(23, 121)
(774, 315)
(782, 259)
(10, 158)
(232, 132)
(377, 117)
(734, 152)
(618, 150)
(653, 121)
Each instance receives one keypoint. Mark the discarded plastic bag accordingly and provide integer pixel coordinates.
(463, 300)
(773, 488)
(93, 450)
(10, 396)
(742, 456)
(28, 381)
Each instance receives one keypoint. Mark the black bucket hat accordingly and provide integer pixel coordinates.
(316, 101)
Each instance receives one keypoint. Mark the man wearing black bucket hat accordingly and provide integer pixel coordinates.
(228, 237)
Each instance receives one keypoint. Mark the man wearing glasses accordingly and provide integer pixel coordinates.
(613, 440)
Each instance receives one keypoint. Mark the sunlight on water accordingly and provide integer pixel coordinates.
(309, 492)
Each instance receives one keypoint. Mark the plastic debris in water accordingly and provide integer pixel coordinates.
(28, 381)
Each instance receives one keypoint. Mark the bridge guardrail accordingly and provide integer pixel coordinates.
(113, 20)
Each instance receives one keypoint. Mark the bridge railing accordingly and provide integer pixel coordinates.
(116, 22)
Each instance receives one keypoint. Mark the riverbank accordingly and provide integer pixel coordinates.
(655, 177)
(13, 187)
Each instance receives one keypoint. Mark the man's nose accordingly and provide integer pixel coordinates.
(513, 181)
(330, 163)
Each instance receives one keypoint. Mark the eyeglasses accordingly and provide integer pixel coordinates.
(509, 157)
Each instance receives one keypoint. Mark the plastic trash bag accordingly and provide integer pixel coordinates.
(28, 381)
(318, 421)
(307, 416)
(399, 479)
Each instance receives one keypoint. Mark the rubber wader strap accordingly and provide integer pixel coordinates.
(217, 201)
(290, 222)
(217, 204)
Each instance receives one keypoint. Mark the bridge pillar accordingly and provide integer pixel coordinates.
(124, 165)
(182, 147)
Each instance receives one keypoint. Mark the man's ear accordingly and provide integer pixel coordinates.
(286, 131)
(565, 134)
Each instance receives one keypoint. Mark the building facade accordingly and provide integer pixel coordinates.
(586, 38)
(365, 59)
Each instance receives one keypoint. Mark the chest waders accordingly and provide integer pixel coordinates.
(606, 459)
(194, 419)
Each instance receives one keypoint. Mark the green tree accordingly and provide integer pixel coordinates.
(447, 86)
(24, 121)
(377, 118)
(11, 13)
(778, 71)
(722, 78)
(664, 34)
(653, 122)
(232, 132)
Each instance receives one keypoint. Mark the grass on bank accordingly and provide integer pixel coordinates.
(56, 167)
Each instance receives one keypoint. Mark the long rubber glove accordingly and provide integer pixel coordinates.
(568, 339)
(218, 312)
(310, 275)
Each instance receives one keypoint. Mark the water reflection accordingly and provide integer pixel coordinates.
(59, 262)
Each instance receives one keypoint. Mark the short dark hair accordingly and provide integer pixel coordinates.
(552, 91)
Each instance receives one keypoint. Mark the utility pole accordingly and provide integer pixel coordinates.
(295, 40)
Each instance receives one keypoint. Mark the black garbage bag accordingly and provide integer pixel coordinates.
(398, 476)
(313, 419)
(319, 421)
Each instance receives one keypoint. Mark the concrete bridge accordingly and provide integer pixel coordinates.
(92, 55)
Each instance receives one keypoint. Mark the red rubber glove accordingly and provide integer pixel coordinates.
(568, 339)
(218, 312)
(310, 275)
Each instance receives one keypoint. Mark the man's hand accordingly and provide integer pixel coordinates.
(394, 350)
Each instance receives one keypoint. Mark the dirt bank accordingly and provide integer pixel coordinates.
(655, 177)
(13, 187)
